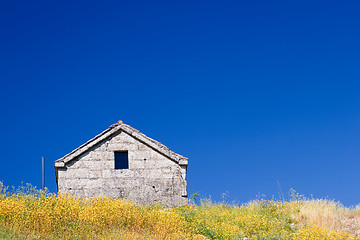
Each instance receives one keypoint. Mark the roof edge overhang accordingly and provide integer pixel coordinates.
(155, 145)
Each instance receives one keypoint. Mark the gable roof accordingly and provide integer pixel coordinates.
(120, 126)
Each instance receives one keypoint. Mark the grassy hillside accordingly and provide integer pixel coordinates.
(37, 215)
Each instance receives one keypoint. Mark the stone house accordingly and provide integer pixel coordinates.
(121, 162)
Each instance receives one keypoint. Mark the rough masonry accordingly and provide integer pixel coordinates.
(154, 173)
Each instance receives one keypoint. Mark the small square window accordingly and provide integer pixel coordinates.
(121, 160)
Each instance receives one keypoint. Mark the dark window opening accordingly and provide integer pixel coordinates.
(121, 160)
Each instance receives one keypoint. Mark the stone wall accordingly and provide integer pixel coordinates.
(151, 176)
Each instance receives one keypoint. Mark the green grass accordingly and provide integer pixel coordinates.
(4, 234)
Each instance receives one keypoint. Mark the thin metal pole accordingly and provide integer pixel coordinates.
(43, 173)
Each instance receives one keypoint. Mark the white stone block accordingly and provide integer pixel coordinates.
(93, 184)
(108, 155)
(108, 173)
(77, 173)
(122, 147)
(144, 147)
(124, 137)
(136, 164)
(110, 165)
(95, 174)
(139, 155)
(94, 165)
(121, 173)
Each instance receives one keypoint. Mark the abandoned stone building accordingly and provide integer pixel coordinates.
(121, 162)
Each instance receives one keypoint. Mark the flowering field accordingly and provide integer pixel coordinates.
(37, 215)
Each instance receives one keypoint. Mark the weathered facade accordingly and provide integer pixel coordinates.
(121, 162)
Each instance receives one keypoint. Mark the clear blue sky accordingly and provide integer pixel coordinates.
(256, 93)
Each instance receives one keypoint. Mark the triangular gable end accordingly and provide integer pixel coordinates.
(120, 126)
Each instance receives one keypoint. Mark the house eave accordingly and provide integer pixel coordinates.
(183, 162)
(59, 164)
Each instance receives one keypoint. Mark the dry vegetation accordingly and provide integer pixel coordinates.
(33, 214)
